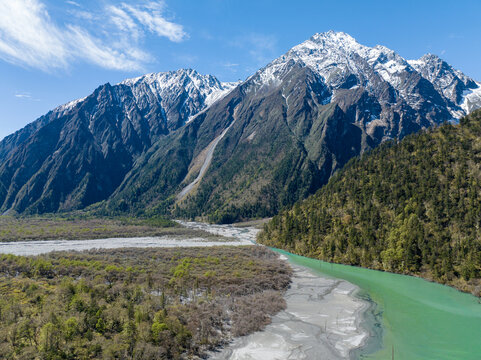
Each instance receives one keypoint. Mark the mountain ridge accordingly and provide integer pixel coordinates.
(106, 130)
(306, 114)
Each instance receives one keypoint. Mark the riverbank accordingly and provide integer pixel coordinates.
(322, 319)
(420, 320)
(323, 315)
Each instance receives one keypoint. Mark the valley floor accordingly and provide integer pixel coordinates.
(322, 318)
(321, 321)
(88, 228)
(134, 303)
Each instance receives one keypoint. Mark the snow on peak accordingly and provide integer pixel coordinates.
(332, 54)
(202, 89)
(334, 38)
(328, 44)
(429, 57)
(463, 92)
(65, 108)
(183, 91)
(341, 61)
(206, 86)
(433, 68)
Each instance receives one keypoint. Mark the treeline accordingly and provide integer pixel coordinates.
(411, 207)
(136, 303)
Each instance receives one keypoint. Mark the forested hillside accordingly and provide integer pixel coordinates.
(411, 207)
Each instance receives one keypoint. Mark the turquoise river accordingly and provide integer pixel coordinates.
(420, 319)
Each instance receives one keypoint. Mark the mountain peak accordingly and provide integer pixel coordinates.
(430, 60)
(430, 57)
(338, 49)
(170, 75)
(453, 84)
(205, 89)
(335, 56)
(343, 63)
(333, 36)
(331, 40)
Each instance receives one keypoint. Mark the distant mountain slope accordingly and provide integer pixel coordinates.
(411, 207)
(294, 123)
(80, 152)
(287, 129)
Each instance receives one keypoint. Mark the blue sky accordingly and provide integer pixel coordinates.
(54, 51)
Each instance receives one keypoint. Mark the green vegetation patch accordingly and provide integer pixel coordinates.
(136, 303)
(84, 228)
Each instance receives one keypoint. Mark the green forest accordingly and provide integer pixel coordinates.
(136, 303)
(410, 207)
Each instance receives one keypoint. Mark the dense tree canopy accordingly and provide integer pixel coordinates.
(411, 207)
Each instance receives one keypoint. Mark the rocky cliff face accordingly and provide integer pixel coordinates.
(80, 152)
(292, 125)
(462, 93)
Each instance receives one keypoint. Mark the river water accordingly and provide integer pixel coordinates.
(420, 319)
(412, 318)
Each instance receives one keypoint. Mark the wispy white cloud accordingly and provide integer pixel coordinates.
(30, 37)
(111, 57)
(124, 21)
(84, 15)
(151, 16)
(25, 96)
(74, 3)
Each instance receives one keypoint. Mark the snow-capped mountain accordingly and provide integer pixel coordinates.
(196, 91)
(401, 96)
(181, 94)
(166, 100)
(342, 63)
(291, 125)
(79, 152)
